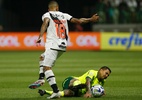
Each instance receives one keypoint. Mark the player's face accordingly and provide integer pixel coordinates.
(104, 73)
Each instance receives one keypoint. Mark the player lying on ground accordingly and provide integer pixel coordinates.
(80, 86)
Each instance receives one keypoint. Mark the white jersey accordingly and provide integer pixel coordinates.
(57, 31)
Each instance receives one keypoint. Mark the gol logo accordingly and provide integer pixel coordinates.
(87, 40)
(9, 41)
(31, 41)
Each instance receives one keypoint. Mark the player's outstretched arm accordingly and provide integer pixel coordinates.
(94, 18)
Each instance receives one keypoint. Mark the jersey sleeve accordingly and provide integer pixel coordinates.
(67, 16)
(46, 15)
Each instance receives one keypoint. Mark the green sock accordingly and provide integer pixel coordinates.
(48, 92)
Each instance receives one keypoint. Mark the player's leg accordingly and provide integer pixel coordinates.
(43, 92)
(69, 93)
(77, 87)
(65, 85)
(64, 93)
(76, 84)
(41, 72)
(72, 87)
(41, 80)
(50, 58)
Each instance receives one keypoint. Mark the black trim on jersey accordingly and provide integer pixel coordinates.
(57, 50)
(55, 19)
(71, 18)
(41, 66)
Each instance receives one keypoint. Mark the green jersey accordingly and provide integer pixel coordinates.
(92, 74)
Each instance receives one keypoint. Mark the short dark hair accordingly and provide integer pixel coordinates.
(52, 2)
(105, 67)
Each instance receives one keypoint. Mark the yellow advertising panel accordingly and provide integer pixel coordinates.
(121, 41)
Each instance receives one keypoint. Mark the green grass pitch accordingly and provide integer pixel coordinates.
(19, 69)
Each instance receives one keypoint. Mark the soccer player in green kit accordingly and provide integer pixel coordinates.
(80, 86)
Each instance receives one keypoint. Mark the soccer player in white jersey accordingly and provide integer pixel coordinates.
(55, 22)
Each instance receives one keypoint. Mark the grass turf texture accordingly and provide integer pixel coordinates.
(19, 69)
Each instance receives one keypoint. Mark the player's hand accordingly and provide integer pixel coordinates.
(104, 93)
(88, 95)
(95, 18)
(38, 41)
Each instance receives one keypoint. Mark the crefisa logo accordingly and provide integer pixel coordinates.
(127, 41)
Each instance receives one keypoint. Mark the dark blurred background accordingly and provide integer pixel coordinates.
(25, 15)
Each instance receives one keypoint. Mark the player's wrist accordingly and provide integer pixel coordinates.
(39, 38)
(89, 91)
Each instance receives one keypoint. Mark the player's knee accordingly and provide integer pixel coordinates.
(41, 58)
(68, 93)
(45, 68)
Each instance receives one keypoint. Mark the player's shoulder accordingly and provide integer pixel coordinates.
(46, 14)
(63, 13)
(91, 70)
(55, 12)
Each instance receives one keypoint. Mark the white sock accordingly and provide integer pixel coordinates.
(41, 70)
(50, 77)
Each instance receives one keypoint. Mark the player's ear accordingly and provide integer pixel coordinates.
(100, 70)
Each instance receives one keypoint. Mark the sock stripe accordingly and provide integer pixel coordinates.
(41, 66)
(49, 77)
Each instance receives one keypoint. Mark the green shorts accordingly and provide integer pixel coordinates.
(66, 82)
